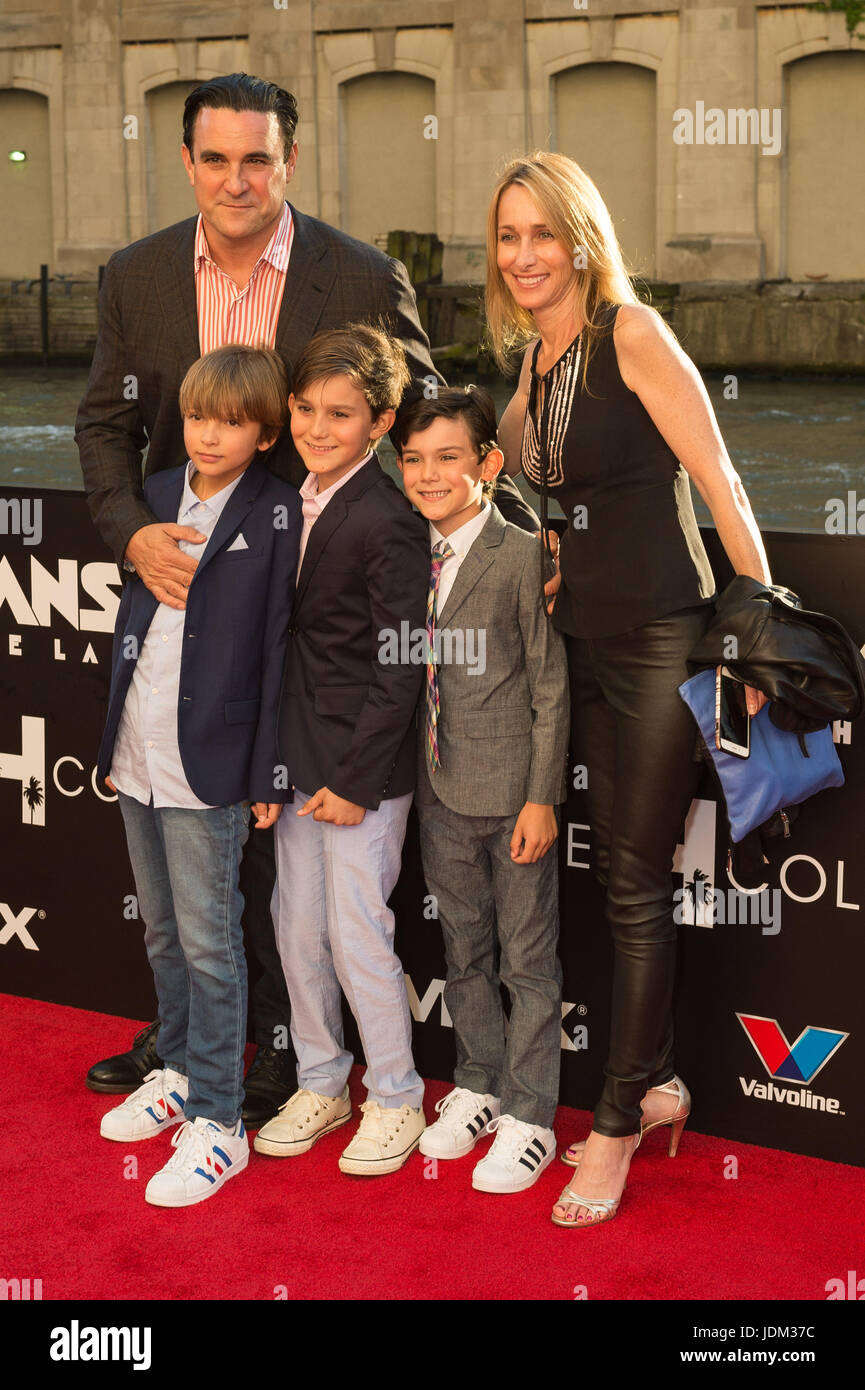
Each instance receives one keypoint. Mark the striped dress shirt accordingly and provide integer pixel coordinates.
(227, 314)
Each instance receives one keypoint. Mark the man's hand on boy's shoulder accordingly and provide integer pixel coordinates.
(326, 805)
(266, 813)
(534, 833)
(154, 553)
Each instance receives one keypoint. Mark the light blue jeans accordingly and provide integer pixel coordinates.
(186, 865)
(334, 928)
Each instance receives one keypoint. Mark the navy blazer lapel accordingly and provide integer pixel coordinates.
(164, 491)
(234, 512)
(308, 279)
(331, 519)
(175, 285)
(480, 557)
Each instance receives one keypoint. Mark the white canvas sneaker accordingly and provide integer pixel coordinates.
(384, 1140)
(156, 1105)
(204, 1158)
(517, 1158)
(301, 1122)
(464, 1118)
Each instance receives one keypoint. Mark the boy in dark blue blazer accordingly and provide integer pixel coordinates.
(347, 740)
(189, 742)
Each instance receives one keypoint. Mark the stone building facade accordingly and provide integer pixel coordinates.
(726, 137)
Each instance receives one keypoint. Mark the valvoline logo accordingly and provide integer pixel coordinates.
(798, 1063)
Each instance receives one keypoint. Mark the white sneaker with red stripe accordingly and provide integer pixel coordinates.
(205, 1156)
(156, 1105)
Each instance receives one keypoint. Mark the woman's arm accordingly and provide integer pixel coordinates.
(654, 366)
(513, 417)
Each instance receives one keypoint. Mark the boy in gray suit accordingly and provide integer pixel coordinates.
(491, 771)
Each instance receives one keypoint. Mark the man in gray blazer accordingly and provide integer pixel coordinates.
(240, 154)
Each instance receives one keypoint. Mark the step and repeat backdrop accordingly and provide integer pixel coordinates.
(770, 1028)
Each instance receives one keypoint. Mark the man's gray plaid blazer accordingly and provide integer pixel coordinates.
(148, 339)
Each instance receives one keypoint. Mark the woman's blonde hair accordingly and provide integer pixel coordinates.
(573, 209)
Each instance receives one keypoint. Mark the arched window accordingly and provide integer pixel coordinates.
(169, 195)
(25, 184)
(387, 160)
(604, 118)
(825, 187)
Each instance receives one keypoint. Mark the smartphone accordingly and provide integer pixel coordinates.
(732, 720)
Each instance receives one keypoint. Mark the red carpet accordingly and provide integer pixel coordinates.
(72, 1218)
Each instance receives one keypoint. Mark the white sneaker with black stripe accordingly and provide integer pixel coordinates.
(519, 1155)
(464, 1118)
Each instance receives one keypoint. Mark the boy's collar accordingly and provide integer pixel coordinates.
(216, 503)
(308, 490)
(461, 539)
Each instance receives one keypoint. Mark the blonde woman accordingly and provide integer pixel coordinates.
(611, 418)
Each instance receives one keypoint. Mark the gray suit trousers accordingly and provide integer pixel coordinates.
(500, 923)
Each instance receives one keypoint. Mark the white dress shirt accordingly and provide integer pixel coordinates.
(460, 541)
(314, 502)
(146, 757)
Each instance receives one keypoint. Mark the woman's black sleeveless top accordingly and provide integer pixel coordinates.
(632, 550)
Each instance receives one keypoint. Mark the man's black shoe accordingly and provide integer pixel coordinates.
(270, 1082)
(125, 1073)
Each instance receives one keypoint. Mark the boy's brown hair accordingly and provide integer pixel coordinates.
(472, 404)
(372, 360)
(238, 382)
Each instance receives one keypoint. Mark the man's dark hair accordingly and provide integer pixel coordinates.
(240, 92)
(472, 404)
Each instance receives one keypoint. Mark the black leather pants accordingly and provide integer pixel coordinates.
(636, 738)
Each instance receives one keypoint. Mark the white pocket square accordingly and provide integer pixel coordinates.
(238, 543)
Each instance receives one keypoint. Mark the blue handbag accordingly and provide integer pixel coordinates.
(776, 774)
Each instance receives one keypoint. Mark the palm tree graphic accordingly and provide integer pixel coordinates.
(698, 898)
(33, 795)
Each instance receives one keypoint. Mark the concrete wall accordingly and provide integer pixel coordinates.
(781, 327)
(619, 153)
(71, 319)
(25, 187)
(388, 111)
(777, 327)
(508, 75)
(825, 233)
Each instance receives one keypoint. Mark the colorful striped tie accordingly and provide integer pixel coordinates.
(441, 552)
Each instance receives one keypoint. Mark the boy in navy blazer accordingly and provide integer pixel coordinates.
(190, 741)
(346, 738)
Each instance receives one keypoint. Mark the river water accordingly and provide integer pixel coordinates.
(796, 443)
